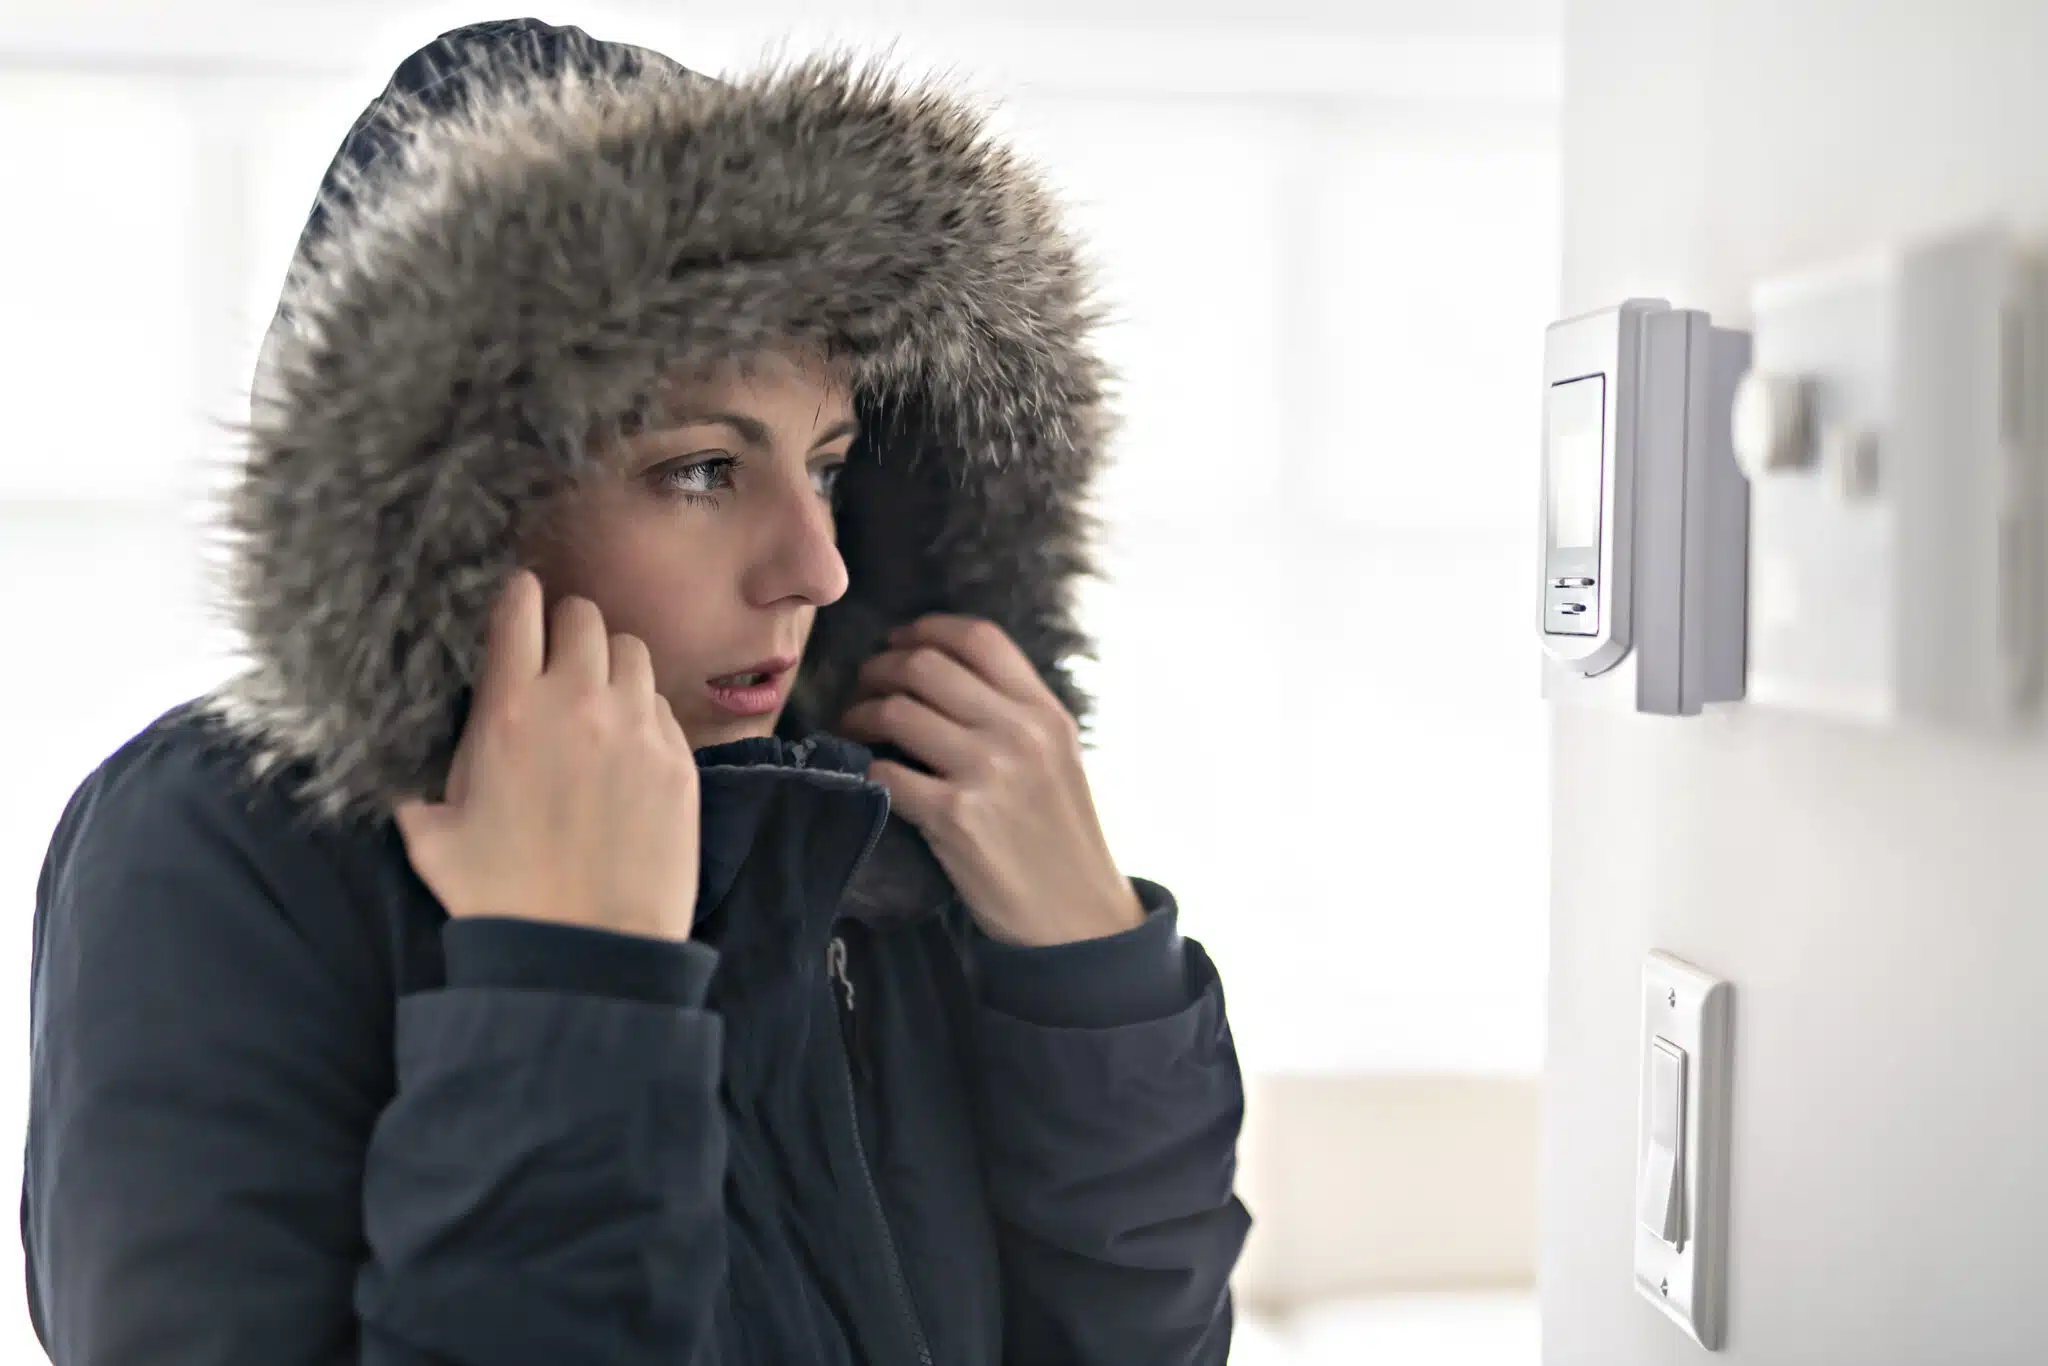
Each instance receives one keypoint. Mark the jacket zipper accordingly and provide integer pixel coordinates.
(836, 969)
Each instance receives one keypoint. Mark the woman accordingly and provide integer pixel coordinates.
(525, 959)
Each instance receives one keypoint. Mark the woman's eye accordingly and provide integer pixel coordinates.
(827, 478)
(699, 477)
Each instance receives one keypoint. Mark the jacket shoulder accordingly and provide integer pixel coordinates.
(174, 834)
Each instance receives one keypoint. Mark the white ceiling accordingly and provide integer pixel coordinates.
(1488, 50)
(202, 22)
(1497, 48)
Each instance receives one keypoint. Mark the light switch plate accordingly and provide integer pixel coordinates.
(1692, 1010)
(1897, 538)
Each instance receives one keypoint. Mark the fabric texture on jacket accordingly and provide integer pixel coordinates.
(284, 1110)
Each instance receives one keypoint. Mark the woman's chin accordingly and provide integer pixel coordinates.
(710, 731)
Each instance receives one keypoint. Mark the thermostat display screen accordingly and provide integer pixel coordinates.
(1576, 421)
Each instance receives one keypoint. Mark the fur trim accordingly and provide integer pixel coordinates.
(522, 270)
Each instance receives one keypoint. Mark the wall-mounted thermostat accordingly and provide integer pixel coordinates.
(1891, 430)
(1642, 585)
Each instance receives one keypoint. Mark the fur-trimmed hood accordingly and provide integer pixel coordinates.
(507, 270)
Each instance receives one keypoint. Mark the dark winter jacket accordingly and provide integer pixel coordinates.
(285, 1111)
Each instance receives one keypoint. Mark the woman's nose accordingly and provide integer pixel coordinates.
(803, 558)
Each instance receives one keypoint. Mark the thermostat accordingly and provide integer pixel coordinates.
(1893, 433)
(1642, 586)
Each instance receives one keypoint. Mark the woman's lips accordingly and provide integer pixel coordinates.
(774, 664)
(752, 699)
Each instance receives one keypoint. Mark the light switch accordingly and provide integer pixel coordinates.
(1681, 1145)
(1660, 1190)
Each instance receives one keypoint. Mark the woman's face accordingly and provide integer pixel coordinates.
(711, 536)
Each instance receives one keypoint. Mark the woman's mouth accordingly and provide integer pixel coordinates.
(752, 692)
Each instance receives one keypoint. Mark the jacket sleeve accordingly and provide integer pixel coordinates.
(1109, 1104)
(218, 1170)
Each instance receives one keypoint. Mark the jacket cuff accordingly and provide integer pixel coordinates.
(502, 952)
(1123, 979)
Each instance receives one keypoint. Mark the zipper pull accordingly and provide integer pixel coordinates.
(835, 964)
(838, 967)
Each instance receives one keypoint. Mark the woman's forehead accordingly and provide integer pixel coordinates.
(771, 372)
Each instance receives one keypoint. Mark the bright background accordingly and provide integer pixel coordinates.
(1329, 233)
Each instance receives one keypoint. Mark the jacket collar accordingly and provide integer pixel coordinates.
(876, 867)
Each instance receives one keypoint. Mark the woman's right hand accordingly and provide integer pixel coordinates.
(572, 796)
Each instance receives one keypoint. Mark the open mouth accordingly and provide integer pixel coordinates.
(765, 670)
(752, 692)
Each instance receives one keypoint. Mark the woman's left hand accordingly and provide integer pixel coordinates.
(1006, 807)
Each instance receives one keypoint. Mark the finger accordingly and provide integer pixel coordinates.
(939, 680)
(919, 798)
(670, 723)
(940, 743)
(632, 667)
(982, 646)
(515, 639)
(578, 648)
(418, 822)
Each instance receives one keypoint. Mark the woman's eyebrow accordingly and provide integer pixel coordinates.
(752, 430)
(844, 427)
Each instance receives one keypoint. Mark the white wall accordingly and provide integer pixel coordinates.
(1879, 900)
